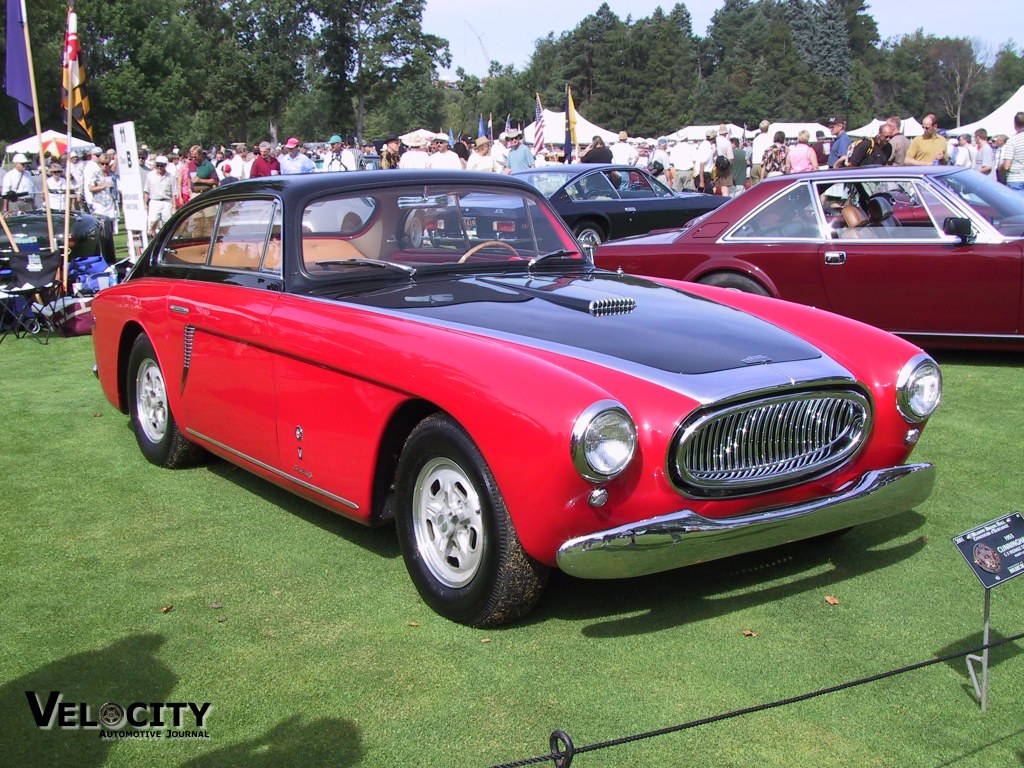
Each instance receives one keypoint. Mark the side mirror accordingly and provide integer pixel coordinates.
(959, 227)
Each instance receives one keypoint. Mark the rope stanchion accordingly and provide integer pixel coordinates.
(563, 750)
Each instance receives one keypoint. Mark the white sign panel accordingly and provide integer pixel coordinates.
(129, 177)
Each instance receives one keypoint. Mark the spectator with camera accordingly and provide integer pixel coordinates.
(18, 189)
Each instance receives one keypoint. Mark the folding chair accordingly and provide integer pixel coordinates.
(33, 286)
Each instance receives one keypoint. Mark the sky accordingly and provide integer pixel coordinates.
(508, 33)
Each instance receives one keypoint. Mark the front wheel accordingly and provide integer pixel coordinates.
(458, 542)
(156, 431)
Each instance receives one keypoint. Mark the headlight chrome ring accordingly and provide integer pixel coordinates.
(603, 443)
(919, 388)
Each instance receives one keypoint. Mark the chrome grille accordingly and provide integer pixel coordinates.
(770, 443)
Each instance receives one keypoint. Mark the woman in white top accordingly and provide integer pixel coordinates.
(480, 159)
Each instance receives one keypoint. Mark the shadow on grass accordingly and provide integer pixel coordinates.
(381, 541)
(997, 656)
(978, 357)
(696, 593)
(961, 758)
(327, 741)
(125, 672)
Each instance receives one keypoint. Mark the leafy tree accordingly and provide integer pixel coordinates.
(368, 46)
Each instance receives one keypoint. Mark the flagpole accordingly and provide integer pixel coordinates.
(66, 76)
(39, 127)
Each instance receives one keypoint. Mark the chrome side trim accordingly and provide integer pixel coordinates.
(272, 470)
(686, 538)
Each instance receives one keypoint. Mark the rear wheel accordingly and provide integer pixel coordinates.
(734, 281)
(458, 542)
(156, 431)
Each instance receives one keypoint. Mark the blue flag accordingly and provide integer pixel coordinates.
(16, 77)
(480, 128)
(451, 138)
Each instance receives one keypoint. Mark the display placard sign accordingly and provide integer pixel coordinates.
(129, 177)
(995, 550)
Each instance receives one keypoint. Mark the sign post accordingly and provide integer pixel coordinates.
(995, 552)
(130, 177)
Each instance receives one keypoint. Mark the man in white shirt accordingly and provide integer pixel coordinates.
(18, 188)
(681, 157)
(623, 152)
(158, 194)
(292, 160)
(443, 158)
(759, 146)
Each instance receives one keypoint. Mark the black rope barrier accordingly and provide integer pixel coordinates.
(563, 750)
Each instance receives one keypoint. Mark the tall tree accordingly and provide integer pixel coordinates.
(368, 46)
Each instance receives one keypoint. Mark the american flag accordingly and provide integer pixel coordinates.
(538, 131)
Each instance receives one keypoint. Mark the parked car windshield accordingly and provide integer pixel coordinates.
(1003, 207)
(429, 226)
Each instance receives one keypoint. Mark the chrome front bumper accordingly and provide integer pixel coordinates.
(685, 538)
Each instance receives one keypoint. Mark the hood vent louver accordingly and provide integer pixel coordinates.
(620, 305)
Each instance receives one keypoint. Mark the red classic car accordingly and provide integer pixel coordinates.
(935, 254)
(435, 350)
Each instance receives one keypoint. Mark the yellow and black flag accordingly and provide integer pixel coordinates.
(73, 92)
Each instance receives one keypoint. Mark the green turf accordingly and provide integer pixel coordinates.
(321, 653)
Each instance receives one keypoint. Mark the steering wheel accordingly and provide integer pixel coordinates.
(486, 243)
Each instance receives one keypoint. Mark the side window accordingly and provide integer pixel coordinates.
(190, 243)
(793, 214)
(340, 228)
(593, 186)
(242, 234)
(631, 184)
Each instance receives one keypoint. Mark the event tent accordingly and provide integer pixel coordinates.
(554, 130)
(911, 128)
(1000, 121)
(52, 140)
(700, 132)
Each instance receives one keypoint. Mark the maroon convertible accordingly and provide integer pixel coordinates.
(934, 254)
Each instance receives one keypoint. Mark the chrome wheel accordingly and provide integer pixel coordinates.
(151, 401)
(448, 523)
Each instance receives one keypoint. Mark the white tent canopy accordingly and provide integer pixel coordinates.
(700, 132)
(911, 128)
(31, 146)
(554, 130)
(792, 130)
(1000, 121)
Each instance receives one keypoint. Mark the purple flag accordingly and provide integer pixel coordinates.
(16, 79)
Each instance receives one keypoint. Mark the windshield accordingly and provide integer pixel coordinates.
(548, 182)
(999, 204)
(434, 226)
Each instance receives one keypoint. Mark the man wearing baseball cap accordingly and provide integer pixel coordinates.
(293, 160)
(18, 189)
(158, 194)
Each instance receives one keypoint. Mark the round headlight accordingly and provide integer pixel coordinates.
(919, 388)
(603, 441)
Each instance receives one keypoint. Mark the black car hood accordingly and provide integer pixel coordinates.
(622, 317)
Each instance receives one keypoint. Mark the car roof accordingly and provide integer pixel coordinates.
(301, 185)
(578, 168)
(868, 171)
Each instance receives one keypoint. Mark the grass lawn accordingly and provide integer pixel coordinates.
(126, 583)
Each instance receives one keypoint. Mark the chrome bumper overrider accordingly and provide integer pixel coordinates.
(685, 538)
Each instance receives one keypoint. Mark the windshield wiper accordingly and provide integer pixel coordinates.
(405, 270)
(554, 255)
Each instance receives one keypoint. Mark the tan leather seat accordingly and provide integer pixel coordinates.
(856, 223)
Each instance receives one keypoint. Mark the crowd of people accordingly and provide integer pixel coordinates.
(720, 163)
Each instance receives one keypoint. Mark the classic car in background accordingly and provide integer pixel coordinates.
(436, 351)
(90, 235)
(932, 253)
(605, 202)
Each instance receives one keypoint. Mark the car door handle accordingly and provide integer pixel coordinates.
(630, 209)
(178, 309)
(835, 258)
